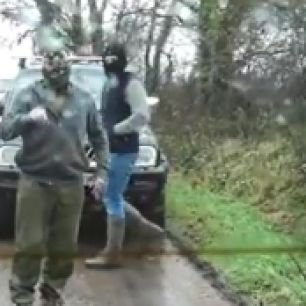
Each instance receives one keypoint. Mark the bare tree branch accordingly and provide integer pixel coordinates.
(24, 35)
(96, 19)
(49, 11)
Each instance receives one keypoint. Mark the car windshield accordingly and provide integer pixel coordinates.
(89, 78)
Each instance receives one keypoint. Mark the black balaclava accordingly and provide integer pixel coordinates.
(114, 58)
(56, 70)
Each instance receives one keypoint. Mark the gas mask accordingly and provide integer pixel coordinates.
(56, 70)
(114, 59)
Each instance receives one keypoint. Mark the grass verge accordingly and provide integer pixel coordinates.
(236, 240)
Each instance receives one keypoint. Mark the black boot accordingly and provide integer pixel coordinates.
(49, 296)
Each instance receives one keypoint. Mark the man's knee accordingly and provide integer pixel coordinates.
(31, 247)
(115, 207)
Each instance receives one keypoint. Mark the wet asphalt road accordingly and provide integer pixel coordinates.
(165, 281)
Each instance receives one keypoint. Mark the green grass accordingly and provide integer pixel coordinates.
(215, 224)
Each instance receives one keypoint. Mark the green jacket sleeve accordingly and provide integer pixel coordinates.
(15, 117)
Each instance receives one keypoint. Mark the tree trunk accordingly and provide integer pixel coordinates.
(120, 16)
(205, 53)
(77, 34)
(149, 45)
(165, 31)
(217, 31)
(96, 18)
(169, 70)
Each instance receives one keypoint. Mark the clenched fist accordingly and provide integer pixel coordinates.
(97, 187)
(38, 114)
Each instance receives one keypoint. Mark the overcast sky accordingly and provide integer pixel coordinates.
(181, 42)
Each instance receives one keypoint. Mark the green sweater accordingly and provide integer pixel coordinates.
(53, 151)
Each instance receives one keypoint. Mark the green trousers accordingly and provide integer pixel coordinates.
(46, 235)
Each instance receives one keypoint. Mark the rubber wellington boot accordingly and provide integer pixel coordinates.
(110, 257)
(151, 237)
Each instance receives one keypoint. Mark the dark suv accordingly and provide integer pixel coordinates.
(146, 189)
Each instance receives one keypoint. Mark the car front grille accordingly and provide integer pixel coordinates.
(8, 179)
(145, 182)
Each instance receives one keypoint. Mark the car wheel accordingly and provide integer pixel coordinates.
(157, 214)
(7, 218)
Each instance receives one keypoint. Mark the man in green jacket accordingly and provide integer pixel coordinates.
(54, 119)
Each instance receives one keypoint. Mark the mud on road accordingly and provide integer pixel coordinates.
(166, 280)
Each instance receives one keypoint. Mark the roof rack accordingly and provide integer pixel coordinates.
(24, 62)
(84, 59)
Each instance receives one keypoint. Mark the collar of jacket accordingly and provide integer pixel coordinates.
(68, 92)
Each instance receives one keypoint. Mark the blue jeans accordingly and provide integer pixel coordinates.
(118, 176)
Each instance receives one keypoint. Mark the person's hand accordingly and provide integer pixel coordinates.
(38, 114)
(96, 186)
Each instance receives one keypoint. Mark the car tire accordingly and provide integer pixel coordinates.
(7, 219)
(157, 215)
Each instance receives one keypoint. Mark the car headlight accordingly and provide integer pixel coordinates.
(7, 155)
(147, 157)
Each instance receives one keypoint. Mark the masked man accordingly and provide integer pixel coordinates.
(124, 112)
(54, 118)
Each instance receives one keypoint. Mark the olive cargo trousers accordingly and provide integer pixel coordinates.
(47, 224)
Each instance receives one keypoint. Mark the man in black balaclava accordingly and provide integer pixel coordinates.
(115, 59)
(124, 112)
(53, 117)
